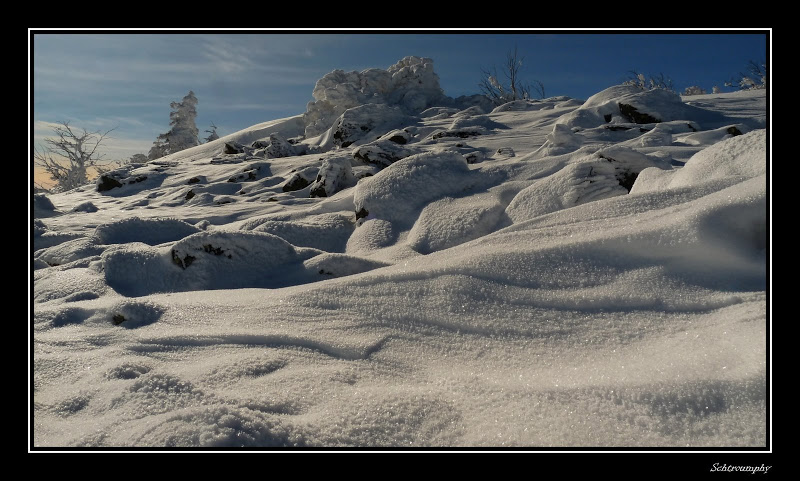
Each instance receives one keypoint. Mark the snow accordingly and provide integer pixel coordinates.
(531, 279)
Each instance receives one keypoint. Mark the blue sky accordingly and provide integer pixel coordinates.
(126, 79)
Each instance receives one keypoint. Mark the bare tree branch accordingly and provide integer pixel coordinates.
(68, 156)
(514, 87)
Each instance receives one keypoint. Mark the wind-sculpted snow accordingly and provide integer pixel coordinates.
(543, 277)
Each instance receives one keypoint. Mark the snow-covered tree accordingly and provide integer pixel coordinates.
(70, 155)
(716, 90)
(183, 133)
(212, 133)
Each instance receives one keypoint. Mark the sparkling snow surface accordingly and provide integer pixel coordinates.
(550, 273)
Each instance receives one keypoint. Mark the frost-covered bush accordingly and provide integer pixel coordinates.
(651, 82)
(694, 90)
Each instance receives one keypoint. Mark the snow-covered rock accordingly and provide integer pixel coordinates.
(335, 174)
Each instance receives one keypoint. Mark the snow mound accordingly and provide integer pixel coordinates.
(449, 222)
(734, 159)
(85, 207)
(609, 172)
(371, 235)
(709, 137)
(340, 265)
(149, 231)
(742, 157)
(625, 104)
(397, 193)
(326, 232)
(70, 250)
(561, 140)
(203, 261)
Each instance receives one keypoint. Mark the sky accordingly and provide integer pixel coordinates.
(126, 79)
(508, 288)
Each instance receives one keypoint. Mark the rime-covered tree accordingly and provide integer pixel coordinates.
(212, 133)
(183, 133)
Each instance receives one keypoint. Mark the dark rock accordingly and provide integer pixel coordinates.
(233, 148)
(733, 131)
(607, 117)
(217, 251)
(189, 194)
(382, 152)
(245, 176)
(185, 262)
(107, 183)
(630, 113)
(462, 134)
(318, 190)
(626, 178)
(41, 202)
(507, 151)
(193, 180)
(85, 207)
(474, 157)
(138, 178)
(296, 182)
(362, 213)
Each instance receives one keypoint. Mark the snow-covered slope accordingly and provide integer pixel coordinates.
(547, 273)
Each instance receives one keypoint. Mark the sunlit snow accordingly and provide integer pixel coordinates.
(547, 273)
